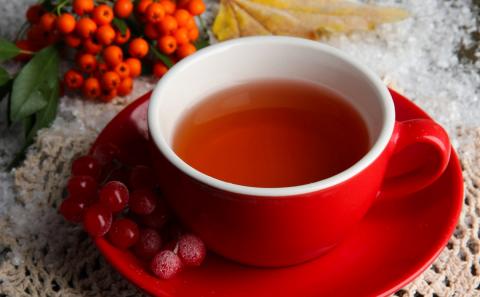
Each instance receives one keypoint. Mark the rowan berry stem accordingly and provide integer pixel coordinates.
(60, 5)
(25, 52)
(22, 30)
(203, 25)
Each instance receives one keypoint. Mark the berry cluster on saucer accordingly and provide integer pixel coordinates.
(124, 204)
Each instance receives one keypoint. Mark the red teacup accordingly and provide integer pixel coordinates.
(285, 226)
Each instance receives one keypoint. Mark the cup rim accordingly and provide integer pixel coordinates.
(375, 151)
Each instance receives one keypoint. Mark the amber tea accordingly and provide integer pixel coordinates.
(272, 133)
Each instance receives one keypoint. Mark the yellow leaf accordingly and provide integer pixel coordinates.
(303, 18)
(225, 24)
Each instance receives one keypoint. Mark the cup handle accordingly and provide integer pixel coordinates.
(404, 175)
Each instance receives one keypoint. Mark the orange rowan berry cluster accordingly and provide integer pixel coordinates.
(108, 57)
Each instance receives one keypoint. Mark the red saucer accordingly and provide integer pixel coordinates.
(395, 242)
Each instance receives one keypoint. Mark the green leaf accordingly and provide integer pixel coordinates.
(28, 123)
(4, 76)
(5, 89)
(203, 26)
(46, 115)
(8, 50)
(201, 43)
(8, 94)
(164, 58)
(48, 5)
(41, 73)
(204, 39)
(41, 119)
(120, 24)
(133, 25)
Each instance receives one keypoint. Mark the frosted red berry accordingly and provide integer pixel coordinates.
(82, 188)
(148, 244)
(114, 195)
(97, 220)
(191, 250)
(142, 202)
(166, 264)
(157, 218)
(124, 233)
(86, 165)
(141, 177)
(72, 209)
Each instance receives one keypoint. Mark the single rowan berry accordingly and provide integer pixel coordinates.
(182, 16)
(167, 44)
(125, 87)
(82, 7)
(66, 23)
(73, 79)
(196, 7)
(72, 40)
(102, 14)
(123, 8)
(167, 25)
(155, 12)
(159, 69)
(135, 67)
(181, 36)
(48, 21)
(123, 70)
(112, 55)
(122, 38)
(168, 5)
(138, 48)
(193, 34)
(87, 63)
(105, 34)
(85, 27)
(110, 80)
(108, 95)
(91, 88)
(91, 46)
(150, 31)
(190, 24)
(34, 13)
(185, 50)
(142, 6)
(101, 69)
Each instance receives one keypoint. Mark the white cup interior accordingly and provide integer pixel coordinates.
(246, 59)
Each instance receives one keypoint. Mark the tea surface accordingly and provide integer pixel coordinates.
(271, 133)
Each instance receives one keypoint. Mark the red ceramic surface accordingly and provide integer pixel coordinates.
(276, 231)
(396, 240)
